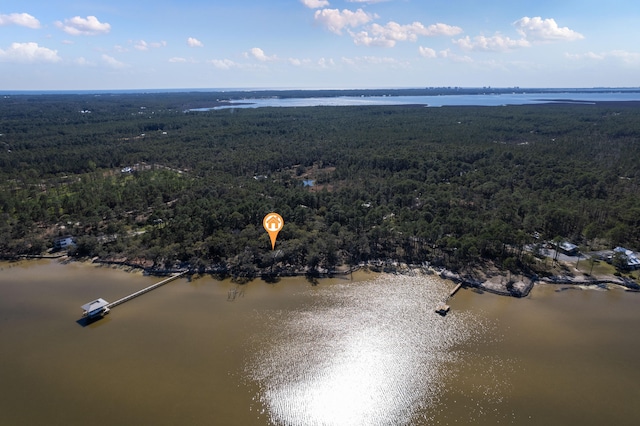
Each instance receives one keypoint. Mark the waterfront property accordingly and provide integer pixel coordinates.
(633, 262)
(62, 243)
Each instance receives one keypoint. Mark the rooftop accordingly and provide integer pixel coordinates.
(96, 304)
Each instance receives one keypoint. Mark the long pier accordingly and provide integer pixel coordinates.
(145, 290)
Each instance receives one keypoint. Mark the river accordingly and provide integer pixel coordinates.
(364, 352)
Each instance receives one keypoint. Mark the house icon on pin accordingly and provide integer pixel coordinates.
(273, 223)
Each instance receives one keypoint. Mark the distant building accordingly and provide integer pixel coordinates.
(567, 248)
(633, 262)
(63, 243)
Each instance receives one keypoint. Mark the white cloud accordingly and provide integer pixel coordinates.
(84, 62)
(374, 60)
(22, 19)
(259, 54)
(448, 54)
(223, 64)
(143, 45)
(326, 63)
(592, 55)
(315, 4)
(181, 60)
(427, 52)
(84, 26)
(392, 32)
(532, 30)
(194, 42)
(113, 62)
(299, 62)
(349, 61)
(307, 63)
(538, 29)
(440, 29)
(335, 20)
(496, 43)
(28, 53)
(363, 38)
(627, 57)
(588, 55)
(379, 60)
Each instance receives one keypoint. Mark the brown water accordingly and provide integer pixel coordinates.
(340, 353)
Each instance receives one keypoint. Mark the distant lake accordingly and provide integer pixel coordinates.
(496, 99)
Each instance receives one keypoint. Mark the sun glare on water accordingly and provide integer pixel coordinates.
(368, 353)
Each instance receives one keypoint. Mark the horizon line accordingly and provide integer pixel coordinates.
(6, 92)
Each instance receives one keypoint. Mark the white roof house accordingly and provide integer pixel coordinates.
(568, 248)
(632, 259)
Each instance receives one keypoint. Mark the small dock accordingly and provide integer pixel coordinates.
(454, 291)
(101, 307)
(442, 307)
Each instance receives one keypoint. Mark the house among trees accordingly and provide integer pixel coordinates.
(63, 243)
(568, 248)
(632, 261)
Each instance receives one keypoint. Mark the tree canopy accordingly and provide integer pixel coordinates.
(141, 177)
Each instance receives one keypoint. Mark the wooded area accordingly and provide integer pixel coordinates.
(137, 176)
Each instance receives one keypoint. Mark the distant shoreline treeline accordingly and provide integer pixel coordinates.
(239, 93)
(135, 177)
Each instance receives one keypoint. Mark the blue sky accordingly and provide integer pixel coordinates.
(143, 44)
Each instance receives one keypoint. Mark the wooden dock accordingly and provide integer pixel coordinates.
(442, 307)
(145, 290)
(100, 307)
(454, 291)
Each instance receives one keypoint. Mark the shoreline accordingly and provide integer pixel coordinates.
(500, 285)
(496, 283)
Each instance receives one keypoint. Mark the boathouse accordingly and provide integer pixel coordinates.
(95, 308)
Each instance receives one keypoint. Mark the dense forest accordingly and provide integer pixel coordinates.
(139, 177)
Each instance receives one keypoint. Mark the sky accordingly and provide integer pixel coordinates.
(317, 44)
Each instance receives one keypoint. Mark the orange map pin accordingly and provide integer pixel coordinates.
(273, 224)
